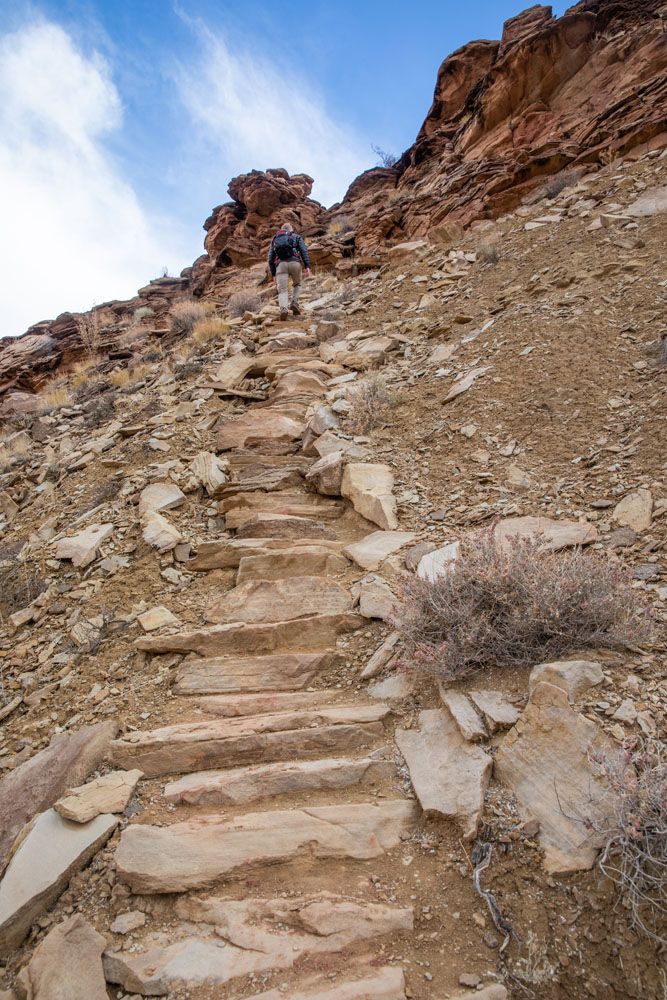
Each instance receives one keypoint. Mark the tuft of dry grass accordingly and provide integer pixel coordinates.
(54, 399)
(185, 315)
(143, 312)
(488, 253)
(343, 224)
(209, 329)
(243, 302)
(635, 855)
(514, 604)
(100, 409)
(371, 403)
(119, 377)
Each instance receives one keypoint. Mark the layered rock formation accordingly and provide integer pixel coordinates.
(552, 95)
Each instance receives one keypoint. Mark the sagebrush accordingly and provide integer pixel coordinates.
(488, 252)
(243, 302)
(184, 316)
(514, 603)
(370, 404)
(635, 855)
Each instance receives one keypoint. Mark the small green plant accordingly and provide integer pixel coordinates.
(143, 312)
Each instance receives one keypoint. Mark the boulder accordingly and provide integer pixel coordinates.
(498, 712)
(371, 551)
(545, 762)
(382, 656)
(466, 718)
(83, 547)
(160, 496)
(108, 794)
(157, 618)
(368, 487)
(195, 854)
(66, 965)
(209, 470)
(326, 474)
(51, 850)
(635, 510)
(376, 599)
(574, 676)
(36, 784)
(438, 562)
(159, 532)
(225, 674)
(449, 775)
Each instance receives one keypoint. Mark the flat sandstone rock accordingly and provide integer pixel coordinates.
(198, 853)
(66, 965)
(108, 794)
(51, 851)
(544, 760)
(258, 601)
(449, 775)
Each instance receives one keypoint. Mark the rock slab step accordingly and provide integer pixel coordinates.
(223, 674)
(387, 983)
(252, 936)
(199, 853)
(240, 785)
(191, 746)
(260, 601)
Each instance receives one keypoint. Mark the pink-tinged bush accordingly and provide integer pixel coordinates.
(516, 604)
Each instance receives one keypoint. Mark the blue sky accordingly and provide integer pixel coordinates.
(122, 122)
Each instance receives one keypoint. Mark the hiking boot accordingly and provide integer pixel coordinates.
(283, 314)
(296, 308)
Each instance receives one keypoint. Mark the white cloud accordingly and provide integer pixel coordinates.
(260, 114)
(73, 230)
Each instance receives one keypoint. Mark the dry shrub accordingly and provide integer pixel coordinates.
(143, 312)
(209, 329)
(660, 351)
(515, 604)
(635, 855)
(54, 399)
(243, 302)
(90, 333)
(185, 315)
(371, 403)
(343, 224)
(20, 584)
(100, 409)
(119, 377)
(488, 253)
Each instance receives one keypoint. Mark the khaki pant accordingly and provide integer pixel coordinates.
(288, 269)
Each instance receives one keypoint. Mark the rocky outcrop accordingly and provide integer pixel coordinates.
(553, 94)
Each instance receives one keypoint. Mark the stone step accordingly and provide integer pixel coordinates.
(237, 518)
(317, 633)
(254, 501)
(270, 525)
(252, 936)
(226, 674)
(235, 705)
(228, 552)
(192, 746)
(240, 785)
(257, 601)
(203, 851)
(289, 563)
(386, 983)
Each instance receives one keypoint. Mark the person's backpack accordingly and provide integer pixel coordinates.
(284, 245)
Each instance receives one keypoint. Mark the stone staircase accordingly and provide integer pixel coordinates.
(258, 732)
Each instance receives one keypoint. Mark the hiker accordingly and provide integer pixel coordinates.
(286, 255)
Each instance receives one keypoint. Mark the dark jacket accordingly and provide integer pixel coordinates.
(300, 252)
